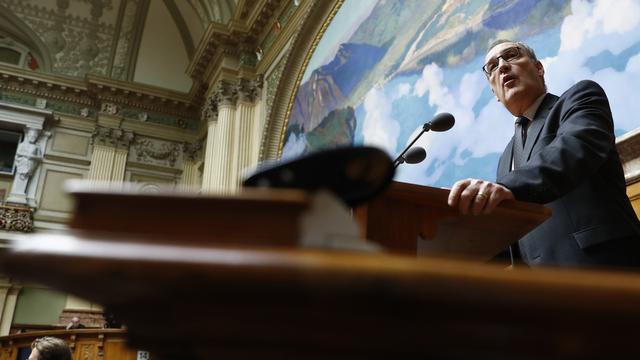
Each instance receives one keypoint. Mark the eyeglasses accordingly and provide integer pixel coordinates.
(509, 55)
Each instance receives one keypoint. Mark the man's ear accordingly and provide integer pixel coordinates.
(539, 68)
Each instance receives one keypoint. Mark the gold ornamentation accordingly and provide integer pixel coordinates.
(303, 68)
(16, 218)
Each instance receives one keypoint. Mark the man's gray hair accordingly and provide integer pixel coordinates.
(51, 348)
(529, 50)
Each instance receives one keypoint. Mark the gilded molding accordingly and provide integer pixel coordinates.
(313, 25)
(272, 81)
(302, 68)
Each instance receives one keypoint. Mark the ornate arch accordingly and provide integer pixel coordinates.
(308, 36)
(16, 29)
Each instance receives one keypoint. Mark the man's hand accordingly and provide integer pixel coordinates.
(477, 196)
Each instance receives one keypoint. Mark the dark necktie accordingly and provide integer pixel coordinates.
(519, 140)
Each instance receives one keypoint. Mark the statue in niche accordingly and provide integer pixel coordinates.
(28, 157)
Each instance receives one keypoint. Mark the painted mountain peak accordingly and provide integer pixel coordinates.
(325, 89)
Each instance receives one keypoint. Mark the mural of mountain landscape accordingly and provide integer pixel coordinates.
(385, 67)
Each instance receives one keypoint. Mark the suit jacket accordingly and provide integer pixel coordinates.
(572, 166)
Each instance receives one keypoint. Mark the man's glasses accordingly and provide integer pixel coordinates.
(508, 55)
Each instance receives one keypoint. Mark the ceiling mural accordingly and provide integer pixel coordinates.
(385, 67)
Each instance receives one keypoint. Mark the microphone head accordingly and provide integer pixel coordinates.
(415, 155)
(441, 122)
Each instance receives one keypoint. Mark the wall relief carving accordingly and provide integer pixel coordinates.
(157, 152)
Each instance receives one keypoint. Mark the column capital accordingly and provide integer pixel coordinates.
(117, 138)
(249, 89)
(210, 109)
(225, 93)
(192, 151)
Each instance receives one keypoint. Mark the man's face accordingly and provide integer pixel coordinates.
(517, 83)
(35, 354)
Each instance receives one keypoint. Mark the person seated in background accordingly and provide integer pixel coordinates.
(75, 324)
(49, 348)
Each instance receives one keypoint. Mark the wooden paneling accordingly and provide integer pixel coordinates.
(85, 344)
(633, 192)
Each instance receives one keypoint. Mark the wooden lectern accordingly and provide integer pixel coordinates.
(412, 219)
(235, 289)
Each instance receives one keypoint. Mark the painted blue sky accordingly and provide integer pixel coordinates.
(599, 40)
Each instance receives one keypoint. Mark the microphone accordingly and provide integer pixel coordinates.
(440, 122)
(413, 156)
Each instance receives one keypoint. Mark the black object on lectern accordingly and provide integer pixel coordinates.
(354, 174)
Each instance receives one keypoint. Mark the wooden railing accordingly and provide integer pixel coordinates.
(85, 344)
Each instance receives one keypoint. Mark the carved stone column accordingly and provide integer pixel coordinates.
(8, 297)
(210, 115)
(219, 152)
(110, 151)
(190, 173)
(246, 147)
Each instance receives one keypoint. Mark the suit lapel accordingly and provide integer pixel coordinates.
(538, 123)
(504, 165)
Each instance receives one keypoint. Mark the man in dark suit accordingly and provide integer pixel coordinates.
(562, 155)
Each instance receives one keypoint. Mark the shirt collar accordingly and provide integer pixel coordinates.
(530, 113)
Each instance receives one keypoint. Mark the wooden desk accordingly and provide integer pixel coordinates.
(245, 302)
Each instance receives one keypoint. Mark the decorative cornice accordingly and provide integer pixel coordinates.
(86, 98)
(141, 96)
(44, 85)
(238, 37)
